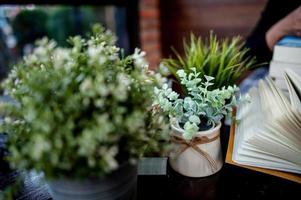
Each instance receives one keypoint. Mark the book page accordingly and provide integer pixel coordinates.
(295, 82)
(268, 134)
(295, 101)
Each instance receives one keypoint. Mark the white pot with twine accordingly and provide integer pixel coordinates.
(199, 157)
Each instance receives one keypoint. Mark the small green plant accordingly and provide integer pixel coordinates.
(224, 60)
(202, 108)
(81, 111)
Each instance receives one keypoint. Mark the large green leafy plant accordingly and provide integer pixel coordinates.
(202, 108)
(224, 60)
(81, 111)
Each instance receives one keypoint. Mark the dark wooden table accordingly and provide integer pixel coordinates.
(230, 183)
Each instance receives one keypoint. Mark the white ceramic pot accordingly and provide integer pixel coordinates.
(200, 157)
(119, 185)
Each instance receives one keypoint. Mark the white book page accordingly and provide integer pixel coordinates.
(273, 147)
(250, 155)
(246, 119)
(275, 105)
(276, 69)
(273, 94)
(295, 100)
(246, 128)
(259, 158)
(268, 134)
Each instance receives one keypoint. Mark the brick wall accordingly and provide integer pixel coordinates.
(163, 24)
(150, 39)
(226, 18)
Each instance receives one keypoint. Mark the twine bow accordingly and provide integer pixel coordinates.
(193, 143)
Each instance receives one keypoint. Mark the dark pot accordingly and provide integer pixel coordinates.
(119, 185)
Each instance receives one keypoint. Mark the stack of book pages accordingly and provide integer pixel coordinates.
(268, 134)
(286, 55)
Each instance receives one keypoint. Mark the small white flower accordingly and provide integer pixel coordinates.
(30, 59)
(86, 85)
(8, 120)
(120, 92)
(103, 90)
(92, 52)
(99, 103)
(139, 60)
(51, 44)
(17, 81)
(40, 51)
(123, 80)
(113, 57)
(102, 59)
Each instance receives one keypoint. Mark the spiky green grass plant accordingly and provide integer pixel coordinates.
(225, 60)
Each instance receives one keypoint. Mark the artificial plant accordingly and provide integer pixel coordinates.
(202, 108)
(225, 60)
(81, 111)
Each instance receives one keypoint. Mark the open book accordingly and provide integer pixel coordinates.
(269, 132)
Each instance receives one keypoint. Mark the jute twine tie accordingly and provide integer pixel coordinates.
(193, 143)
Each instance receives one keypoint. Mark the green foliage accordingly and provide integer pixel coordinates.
(71, 21)
(81, 111)
(224, 60)
(201, 108)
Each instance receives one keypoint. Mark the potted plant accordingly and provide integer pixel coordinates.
(196, 121)
(225, 60)
(82, 116)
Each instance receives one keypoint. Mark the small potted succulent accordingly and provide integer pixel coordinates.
(196, 121)
(82, 115)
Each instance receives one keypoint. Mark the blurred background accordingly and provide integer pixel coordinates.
(153, 25)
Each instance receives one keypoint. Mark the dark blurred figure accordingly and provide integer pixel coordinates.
(278, 19)
(72, 21)
(4, 57)
(28, 26)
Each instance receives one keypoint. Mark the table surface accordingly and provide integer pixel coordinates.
(231, 182)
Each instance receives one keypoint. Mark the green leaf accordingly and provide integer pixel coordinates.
(222, 59)
(195, 119)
